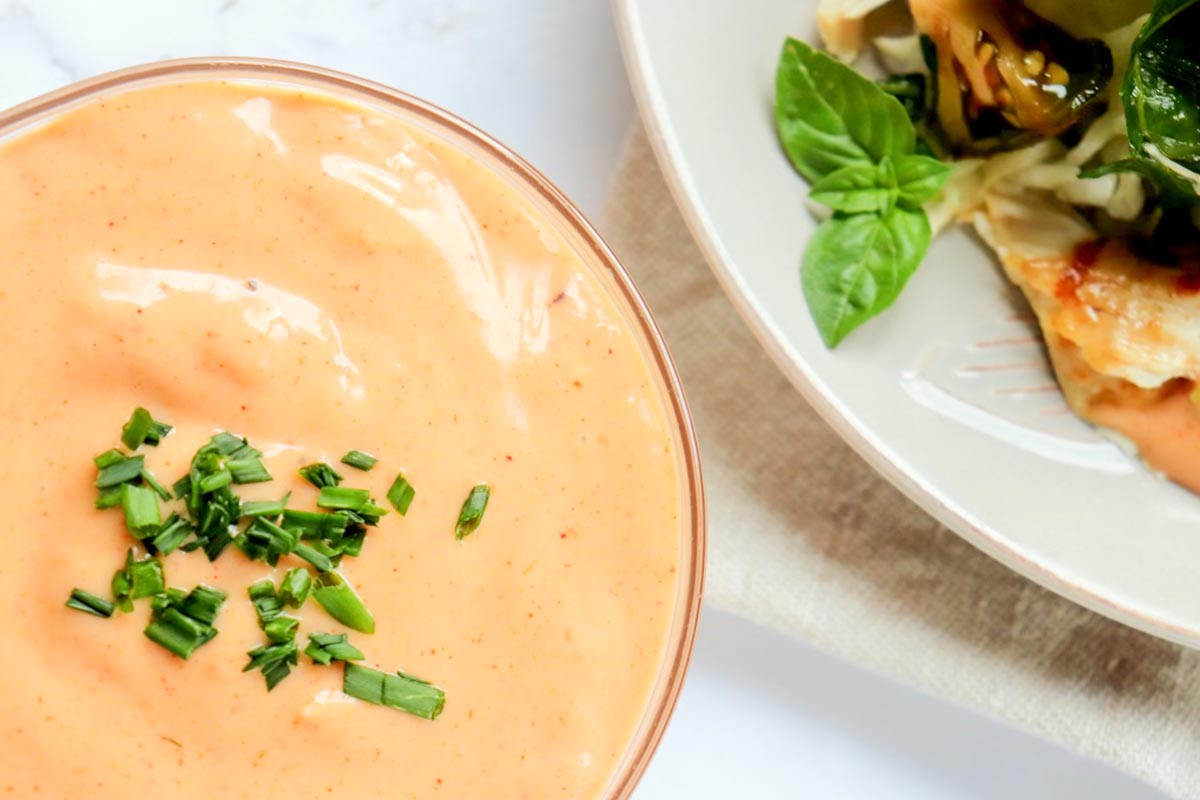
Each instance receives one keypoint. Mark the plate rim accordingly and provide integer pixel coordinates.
(653, 115)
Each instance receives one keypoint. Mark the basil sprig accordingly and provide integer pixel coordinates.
(857, 147)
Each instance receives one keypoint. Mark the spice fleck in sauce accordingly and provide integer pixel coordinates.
(317, 276)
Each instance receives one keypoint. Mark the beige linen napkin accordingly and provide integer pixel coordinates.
(807, 539)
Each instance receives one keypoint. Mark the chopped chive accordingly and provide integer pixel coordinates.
(145, 578)
(203, 603)
(108, 458)
(314, 556)
(227, 444)
(325, 648)
(294, 589)
(90, 603)
(122, 585)
(320, 475)
(215, 480)
(117, 472)
(338, 497)
(266, 541)
(158, 431)
(360, 460)
(171, 534)
(178, 633)
(265, 508)
(160, 490)
(275, 661)
(341, 601)
(400, 691)
(281, 629)
(141, 427)
(142, 516)
(314, 524)
(401, 494)
(248, 470)
(110, 497)
(472, 511)
(266, 603)
(172, 597)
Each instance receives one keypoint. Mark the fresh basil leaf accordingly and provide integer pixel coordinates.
(919, 178)
(856, 265)
(831, 117)
(1161, 95)
(858, 188)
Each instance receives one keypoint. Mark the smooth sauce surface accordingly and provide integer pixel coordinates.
(318, 276)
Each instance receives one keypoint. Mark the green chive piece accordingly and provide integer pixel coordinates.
(343, 604)
(472, 511)
(117, 472)
(178, 633)
(360, 460)
(265, 508)
(158, 431)
(133, 433)
(248, 470)
(320, 475)
(171, 534)
(227, 444)
(215, 480)
(275, 661)
(89, 603)
(141, 427)
(142, 516)
(160, 490)
(110, 497)
(314, 524)
(400, 691)
(325, 648)
(296, 585)
(145, 578)
(314, 556)
(339, 497)
(122, 585)
(203, 603)
(266, 541)
(281, 629)
(108, 458)
(401, 494)
(266, 603)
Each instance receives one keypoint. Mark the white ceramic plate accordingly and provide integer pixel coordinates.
(948, 393)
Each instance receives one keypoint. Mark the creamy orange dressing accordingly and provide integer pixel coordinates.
(318, 276)
(1165, 430)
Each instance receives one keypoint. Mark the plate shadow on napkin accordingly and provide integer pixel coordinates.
(806, 538)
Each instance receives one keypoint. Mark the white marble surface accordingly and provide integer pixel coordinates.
(761, 716)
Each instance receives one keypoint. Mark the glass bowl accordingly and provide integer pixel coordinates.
(574, 229)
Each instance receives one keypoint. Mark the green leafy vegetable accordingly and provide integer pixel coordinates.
(856, 265)
(856, 145)
(1161, 96)
(831, 117)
